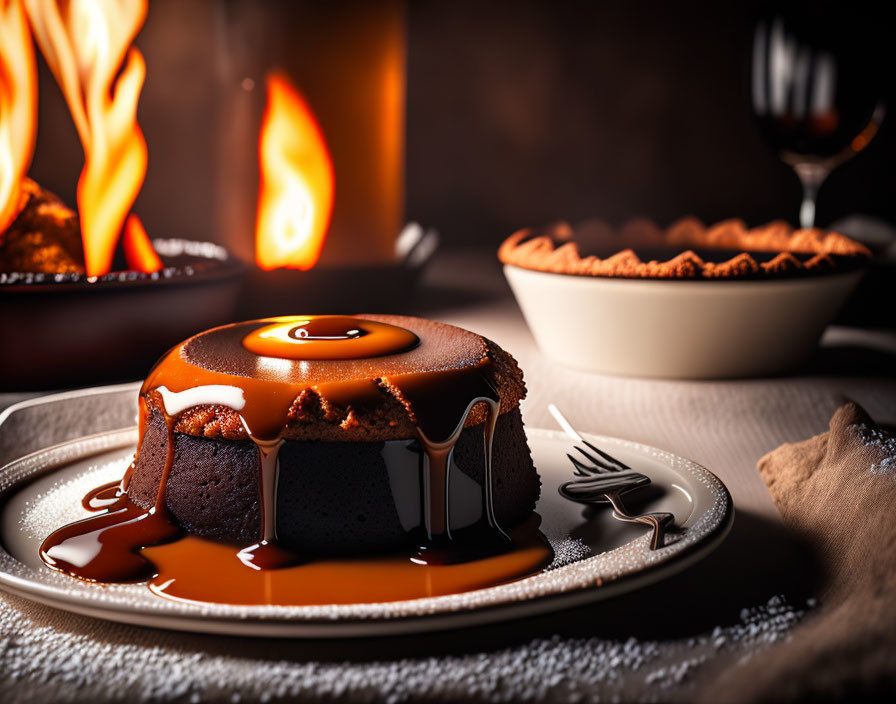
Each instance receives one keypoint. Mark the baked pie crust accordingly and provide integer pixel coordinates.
(557, 249)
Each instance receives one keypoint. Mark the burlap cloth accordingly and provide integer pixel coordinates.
(838, 492)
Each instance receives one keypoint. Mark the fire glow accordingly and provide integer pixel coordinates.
(87, 45)
(18, 106)
(295, 198)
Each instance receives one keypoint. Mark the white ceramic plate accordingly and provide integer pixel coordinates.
(43, 490)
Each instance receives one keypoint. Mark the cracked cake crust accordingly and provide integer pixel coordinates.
(312, 416)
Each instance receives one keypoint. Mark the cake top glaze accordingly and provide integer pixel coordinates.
(335, 378)
(687, 249)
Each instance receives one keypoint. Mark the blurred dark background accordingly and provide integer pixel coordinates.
(518, 113)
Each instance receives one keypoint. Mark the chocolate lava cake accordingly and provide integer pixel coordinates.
(350, 472)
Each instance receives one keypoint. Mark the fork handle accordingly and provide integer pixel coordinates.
(658, 520)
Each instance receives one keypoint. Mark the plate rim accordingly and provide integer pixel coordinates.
(344, 626)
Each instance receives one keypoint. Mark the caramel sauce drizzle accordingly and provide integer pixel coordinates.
(102, 497)
(105, 548)
(113, 546)
(441, 403)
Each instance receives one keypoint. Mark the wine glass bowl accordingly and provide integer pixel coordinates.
(814, 91)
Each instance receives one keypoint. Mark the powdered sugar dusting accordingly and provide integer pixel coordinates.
(54, 507)
(883, 443)
(40, 662)
(567, 551)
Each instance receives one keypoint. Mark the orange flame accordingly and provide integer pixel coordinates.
(138, 251)
(18, 106)
(295, 198)
(87, 46)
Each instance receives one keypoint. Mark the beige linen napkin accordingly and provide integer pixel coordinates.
(837, 491)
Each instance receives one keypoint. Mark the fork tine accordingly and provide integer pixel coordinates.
(606, 456)
(582, 469)
(597, 462)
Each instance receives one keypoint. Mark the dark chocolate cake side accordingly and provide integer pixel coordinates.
(333, 497)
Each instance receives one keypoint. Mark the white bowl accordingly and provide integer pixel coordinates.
(678, 329)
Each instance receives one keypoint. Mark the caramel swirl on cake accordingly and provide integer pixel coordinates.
(328, 337)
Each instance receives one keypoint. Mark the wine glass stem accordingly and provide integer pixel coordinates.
(811, 176)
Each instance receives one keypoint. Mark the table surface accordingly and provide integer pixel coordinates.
(724, 425)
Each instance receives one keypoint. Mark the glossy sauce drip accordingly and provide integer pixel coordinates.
(113, 546)
(106, 547)
(442, 402)
(266, 553)
(102, 497)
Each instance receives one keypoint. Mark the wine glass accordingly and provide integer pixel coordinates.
(815, 93)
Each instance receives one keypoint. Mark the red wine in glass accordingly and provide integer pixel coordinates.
(815, 91)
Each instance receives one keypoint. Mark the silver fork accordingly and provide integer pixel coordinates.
(604, 480)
